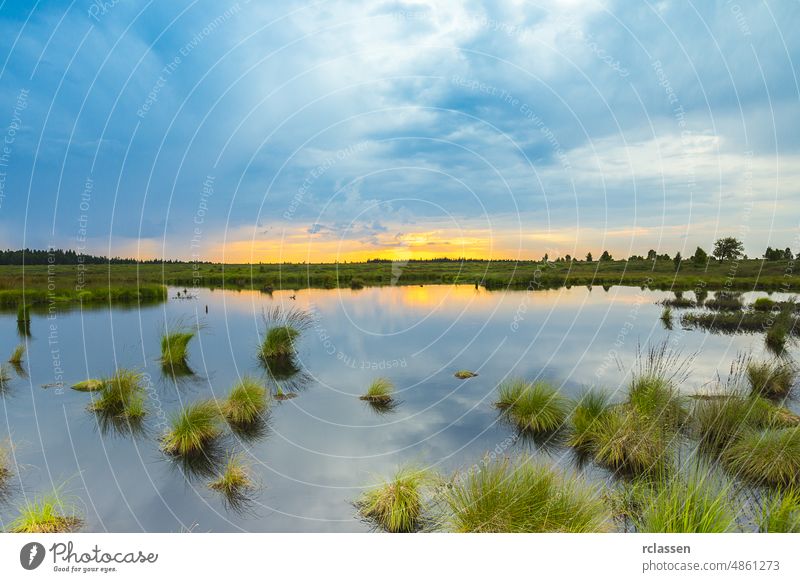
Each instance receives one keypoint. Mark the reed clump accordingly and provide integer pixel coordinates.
(380, 391)
(17, 355)
(46, 514)
(235, 480)
(175, 346)
(193, 429)
(586, 418)
(780, 512)
(522, 496)
(122, 395)
(283, 329)
(699, 502)
(773, 379)
(246, 403)
(768, 457)
(537, 408)
(396, 505)
(635, 436)
(721, 421)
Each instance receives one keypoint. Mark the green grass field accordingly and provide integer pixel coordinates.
(130, 283)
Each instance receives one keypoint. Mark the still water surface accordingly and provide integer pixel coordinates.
(323, 446)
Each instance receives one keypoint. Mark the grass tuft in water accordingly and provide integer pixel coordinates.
(380, 391)
(122, 395)
(773, 379)
(46, 514)
(465, 374)
(193, 429)
(17, 355)
(522, 497)
(396, 505)
(246, 403)
(696, 503)
(586, 417)
(721, 421)
(283, 329)
(235, 480)
(666, 316)
(174, 346)
(780, 512)
(624, 440)
(537, 408)
(767, 457)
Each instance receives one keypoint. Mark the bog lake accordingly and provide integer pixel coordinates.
(321, 448)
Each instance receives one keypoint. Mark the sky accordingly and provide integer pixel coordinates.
(317, 131)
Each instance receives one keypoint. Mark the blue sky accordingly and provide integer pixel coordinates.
(312, 131)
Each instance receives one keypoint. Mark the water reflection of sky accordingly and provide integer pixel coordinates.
(325, 444)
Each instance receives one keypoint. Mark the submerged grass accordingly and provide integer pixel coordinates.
(380, 391)
(768, 457)
(773, 379)
(396, 505)
(522, 497)
(465, 374)
(17, 355)
(780, 512)
(46, 514)
(246, 403)
(699, 502)
(537, 408)
(193, 429)
(121, 395)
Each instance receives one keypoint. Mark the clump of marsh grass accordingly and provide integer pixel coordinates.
(773, 379)
(586, 417)
(5, 471)
(17, 355)
(635, 436)
(246, 403)
(725, 301)
(666, 316)
(192, 429)
(122, 395)
(764, 304)
(769, 457)
(522, 496)
(284, 326)
(780, 512)
(653, 390)
(626, 441)
(234, 482)
(356, 283)
(465, 374)
(379, 392)
(699, 502)
(175, 345)
(536, 408)
(23, 313)
(722, 420)
(47, 514)
(396, 505)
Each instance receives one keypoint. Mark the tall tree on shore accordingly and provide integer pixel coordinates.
(728, 248)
